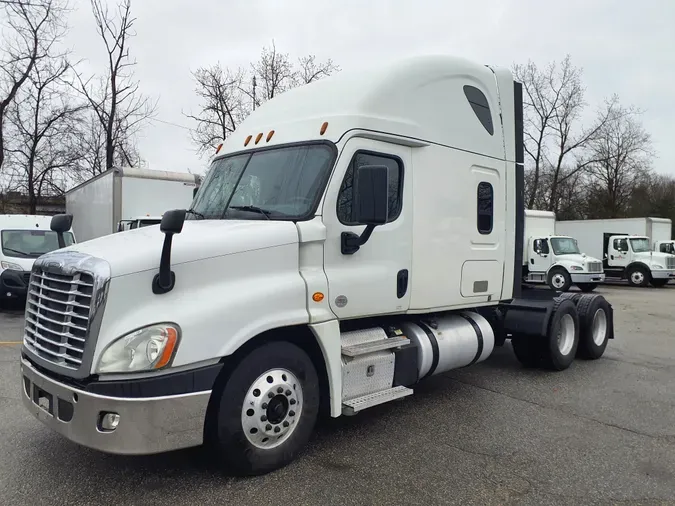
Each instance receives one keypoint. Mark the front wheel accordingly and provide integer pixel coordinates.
(587, 287)
(559, 279)
(638, 276)
(659, 283)
(267, 409)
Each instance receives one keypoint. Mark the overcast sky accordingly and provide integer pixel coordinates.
(624, 47)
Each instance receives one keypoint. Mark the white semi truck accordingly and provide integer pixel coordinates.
(556, 259)
(123, 199)
(353, 237)
(631, 248)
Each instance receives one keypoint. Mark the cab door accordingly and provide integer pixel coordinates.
(618, 252)
(540, 255)
(375, 279)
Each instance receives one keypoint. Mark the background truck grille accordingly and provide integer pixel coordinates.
(594, 266)
(670, 262)
(57, 316)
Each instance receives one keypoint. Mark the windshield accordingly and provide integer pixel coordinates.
(31, 243)
(280, 183)
(639, 245)
(565, 246)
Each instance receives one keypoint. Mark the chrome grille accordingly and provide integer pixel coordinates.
(594, 266)
(58, 310)
(670, 262)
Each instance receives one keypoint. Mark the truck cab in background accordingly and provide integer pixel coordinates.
(667, 246)
(632, 257)
(555, 259)
(138, 222)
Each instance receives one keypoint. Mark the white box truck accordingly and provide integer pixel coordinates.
(353, 237)
(626, 246)
(120, 199)
(23, 238)
(556, 259)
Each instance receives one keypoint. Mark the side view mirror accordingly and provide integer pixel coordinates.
(61, 224)
(370, 204)
(172, 223)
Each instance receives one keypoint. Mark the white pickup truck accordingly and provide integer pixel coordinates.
(353, 237)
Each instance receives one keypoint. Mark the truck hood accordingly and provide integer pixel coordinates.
(140, 249)
(576, 258)
(654, 257)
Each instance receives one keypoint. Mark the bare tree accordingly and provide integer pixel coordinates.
(45, 121)
(227, 96)
(553, 103)
(622, 155)
(222, 105)
(115, 99)
(34, 26)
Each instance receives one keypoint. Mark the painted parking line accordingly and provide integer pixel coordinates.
(9, 342)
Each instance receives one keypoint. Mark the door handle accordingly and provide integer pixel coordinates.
(401, 283)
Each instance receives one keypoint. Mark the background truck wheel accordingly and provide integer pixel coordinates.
(267, 409)
(587, 287)
(559, 347)
(594, 326)
(638, 276)
(527, 350)
(559, 279)
(659, 283)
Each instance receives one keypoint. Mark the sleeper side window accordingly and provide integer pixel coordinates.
(485, 198)
(361, 158)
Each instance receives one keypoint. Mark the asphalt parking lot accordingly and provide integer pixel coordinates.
(601, 432)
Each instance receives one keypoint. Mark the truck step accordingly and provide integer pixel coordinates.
(383, 344)
(353, 406)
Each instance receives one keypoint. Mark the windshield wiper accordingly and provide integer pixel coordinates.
(254, 209)
(16, 251)
(196, 213)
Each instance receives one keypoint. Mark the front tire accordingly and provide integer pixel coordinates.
(638, 276)
(559, 279)
(267, 409)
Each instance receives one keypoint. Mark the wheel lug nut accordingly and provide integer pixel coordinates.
(280, 390)
(291, 413)
(268, 427)
(277, 429)
(270, 395)
(264, 405)
(263, 418)
(292, 402)
(288, 392)
(286, 424)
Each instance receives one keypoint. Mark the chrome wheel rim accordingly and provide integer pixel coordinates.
(271, 409)
(566, 334)
(558, 281)
(637, 277)
(599, 328)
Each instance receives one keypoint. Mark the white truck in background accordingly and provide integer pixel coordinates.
(353, 237)
(123, 199)
(631, 248)
(556, 259)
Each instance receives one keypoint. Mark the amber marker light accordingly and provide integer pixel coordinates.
(317, 297)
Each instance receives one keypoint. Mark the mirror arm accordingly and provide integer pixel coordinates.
(350, 242)
(165, 280)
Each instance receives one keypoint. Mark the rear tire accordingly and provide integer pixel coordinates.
(638, 276)
(559, 346)
(659, 283)
(594, 318)
(262, 425)
(527, 350)
(587, 287)
(559, 279)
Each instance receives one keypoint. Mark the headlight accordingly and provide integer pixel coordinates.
(576, 268)
(147, 349)
(11, 267)
(657, 266)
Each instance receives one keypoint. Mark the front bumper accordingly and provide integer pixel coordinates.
(147, 424)
(663, 274)
(14, 284)
(588, 277)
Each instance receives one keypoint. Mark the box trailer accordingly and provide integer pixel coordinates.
(627, 247)
(353, 237)
(119, 198)
(556, 259)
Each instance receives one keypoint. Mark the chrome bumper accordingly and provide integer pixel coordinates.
(588, 277)
(146, 425)
(663, 274)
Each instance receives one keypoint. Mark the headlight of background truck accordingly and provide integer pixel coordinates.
(576, 268)
(11, 267)
(657, 266)
(146, 349)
